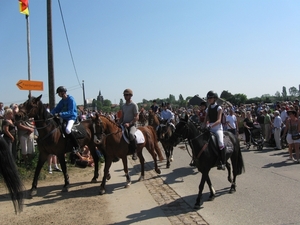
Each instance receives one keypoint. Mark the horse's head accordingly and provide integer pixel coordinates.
(98, 129)
(30, 109)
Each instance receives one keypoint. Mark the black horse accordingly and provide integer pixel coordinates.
(206, 154)
(9, 172)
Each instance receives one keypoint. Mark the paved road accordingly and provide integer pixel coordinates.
(267, 193)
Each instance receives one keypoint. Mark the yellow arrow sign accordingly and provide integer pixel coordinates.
(30, 85)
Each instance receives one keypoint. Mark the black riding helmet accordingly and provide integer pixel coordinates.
(61, 89)
(163, 104)
(211, 94)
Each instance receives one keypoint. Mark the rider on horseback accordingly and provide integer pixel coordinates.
(129, 118)
(167, 116)
(213, 120)
(67, 110)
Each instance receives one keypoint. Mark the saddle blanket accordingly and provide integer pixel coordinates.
(139, 137)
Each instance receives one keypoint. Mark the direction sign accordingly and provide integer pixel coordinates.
(30, 85)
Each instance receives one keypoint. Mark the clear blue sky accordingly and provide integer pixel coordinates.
(154, 47)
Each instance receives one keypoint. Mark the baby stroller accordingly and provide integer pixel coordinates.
(256, 137)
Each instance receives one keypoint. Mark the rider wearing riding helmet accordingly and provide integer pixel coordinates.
(166, 114)
(213, 120)
(67, 110)
(130, 115)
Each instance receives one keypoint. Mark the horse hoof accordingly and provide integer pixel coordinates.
(108, 177)
(128, 185)
(94, 181)
(168, 166)
(32, 193)
(171, 160)
(101, 192)
(141, 178)
(196, 206)
(211, 198)
(65, 189)
(158, 171)
(232, 190)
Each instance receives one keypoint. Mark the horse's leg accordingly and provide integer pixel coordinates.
(229, 178)
(96, 166)
(233, 185)
(108, 161)
(167, 152)
(154, 156)
(171, 153)
(41, 161)
(125, 165)
(211, 189)
(142, 162)
(62, 162)
(201, 186)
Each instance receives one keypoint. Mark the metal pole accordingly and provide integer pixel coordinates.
(84, 101)
(50, 57)
(28, 51)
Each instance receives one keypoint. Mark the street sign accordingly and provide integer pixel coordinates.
(30, 85)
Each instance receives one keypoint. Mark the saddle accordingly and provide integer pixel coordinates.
(139, 136)
(78, 130)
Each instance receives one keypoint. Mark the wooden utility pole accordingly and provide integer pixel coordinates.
(84, 101)
(50, 57)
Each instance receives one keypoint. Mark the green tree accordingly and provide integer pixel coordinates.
(284, 93)
(180, 98)
(226, 95)
(121, 103)
(293, 91)
(107, 102)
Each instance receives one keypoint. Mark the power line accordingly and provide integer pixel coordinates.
(62, 17)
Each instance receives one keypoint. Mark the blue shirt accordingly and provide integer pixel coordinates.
(66, 108)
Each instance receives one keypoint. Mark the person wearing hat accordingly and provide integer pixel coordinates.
(67, 110)
(277, 125)
(292, 128)
(213, 119)
(130, 114)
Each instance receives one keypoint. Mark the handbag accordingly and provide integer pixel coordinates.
(296, 136)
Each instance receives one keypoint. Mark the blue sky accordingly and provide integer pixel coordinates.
(154, 47)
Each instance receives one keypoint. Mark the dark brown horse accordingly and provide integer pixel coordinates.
(115, 146)
(163, 133)
(52, 140)
(9, 172)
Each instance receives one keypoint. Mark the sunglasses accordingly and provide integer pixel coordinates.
(210, 97)
(127, 94)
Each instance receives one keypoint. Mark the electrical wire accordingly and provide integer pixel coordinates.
(62, 17)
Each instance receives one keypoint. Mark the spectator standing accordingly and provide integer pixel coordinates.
(277, 124)
(52, 159)
(267, 125)
(292, 127)
(26, 139)
(9, 131)
(232, 124)
(2, 111)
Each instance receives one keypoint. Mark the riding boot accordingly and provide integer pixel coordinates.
(132, 148)
(73, 139)
(222, 166)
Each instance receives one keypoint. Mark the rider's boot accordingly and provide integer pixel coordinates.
(132, 148)
(73, 139)
(222, 166)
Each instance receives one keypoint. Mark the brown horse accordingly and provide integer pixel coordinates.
(142, 118)
(52, 140)
(163, 133)
(116, 147)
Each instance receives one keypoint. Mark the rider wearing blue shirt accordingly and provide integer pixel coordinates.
(67, 110)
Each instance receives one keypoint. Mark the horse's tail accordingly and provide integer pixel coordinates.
(240, 161)
(156, 147)
(11, 177)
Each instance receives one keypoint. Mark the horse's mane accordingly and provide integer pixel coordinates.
(109, 120)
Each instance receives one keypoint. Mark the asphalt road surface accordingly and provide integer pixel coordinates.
(267, 193)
